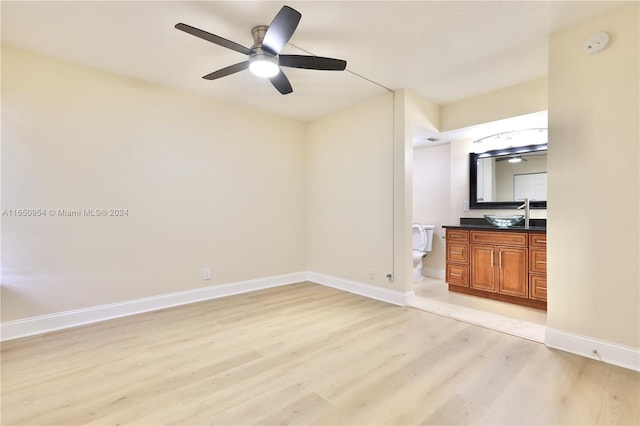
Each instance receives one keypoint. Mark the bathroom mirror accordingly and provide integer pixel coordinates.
(502, 178)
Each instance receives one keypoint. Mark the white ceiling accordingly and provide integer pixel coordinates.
(443, 50)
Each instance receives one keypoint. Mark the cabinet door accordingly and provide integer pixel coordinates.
(483, 276)
(513, 271)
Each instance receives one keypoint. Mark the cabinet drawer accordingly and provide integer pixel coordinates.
(538, 240)
(457, 253)
(538, 260)
(505, 238)
(457, 236)
(458, 274)
(537, 287)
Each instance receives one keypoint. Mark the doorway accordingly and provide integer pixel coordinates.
(440, 181)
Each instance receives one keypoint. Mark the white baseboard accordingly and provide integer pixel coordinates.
(372, 292)
(46, 323)
(611, 353)
(433, 273)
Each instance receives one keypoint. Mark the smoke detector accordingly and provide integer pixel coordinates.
(596, 42)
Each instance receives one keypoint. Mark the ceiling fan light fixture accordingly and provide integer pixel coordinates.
(263, 65)
(264, 58)
(515, 159)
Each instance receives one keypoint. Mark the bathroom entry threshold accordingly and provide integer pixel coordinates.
(431, 295)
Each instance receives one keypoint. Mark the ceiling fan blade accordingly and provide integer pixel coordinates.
(213, 38)
(231, 69)
(312, 62)
(281, 29)
(281, 83)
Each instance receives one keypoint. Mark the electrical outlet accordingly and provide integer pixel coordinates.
(206, 273)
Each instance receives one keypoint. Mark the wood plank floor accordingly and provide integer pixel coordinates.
(303, 354)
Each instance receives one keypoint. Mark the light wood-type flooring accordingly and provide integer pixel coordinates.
(304, 354)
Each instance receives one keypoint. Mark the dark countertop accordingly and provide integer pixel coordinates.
(497, 228)
(536, 225)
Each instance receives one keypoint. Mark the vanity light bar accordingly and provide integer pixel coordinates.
(511, 134)
(513, 151)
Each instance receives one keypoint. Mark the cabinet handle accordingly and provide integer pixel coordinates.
(500, 259)
(541, 261)
(456, 252)
(455, 275)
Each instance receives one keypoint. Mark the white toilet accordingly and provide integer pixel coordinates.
(422, 240)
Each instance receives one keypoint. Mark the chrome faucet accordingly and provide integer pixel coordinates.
(525, 206)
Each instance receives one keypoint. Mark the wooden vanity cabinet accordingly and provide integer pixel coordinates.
(499, 263)
(503, 265)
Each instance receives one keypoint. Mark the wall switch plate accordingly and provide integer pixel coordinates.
(465, 206)
(206, 273)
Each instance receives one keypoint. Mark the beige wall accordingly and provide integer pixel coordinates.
(512, 101)
(205, 184)
(350, 198)
(431, 200)
(594, 150)
(410, 112)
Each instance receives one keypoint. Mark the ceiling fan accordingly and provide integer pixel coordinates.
(265, 59)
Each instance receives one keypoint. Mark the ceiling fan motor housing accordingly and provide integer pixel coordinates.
(258, 33)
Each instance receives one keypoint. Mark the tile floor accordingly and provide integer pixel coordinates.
(432, 295)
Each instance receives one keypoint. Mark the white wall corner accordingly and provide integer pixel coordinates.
(62, 320)
(372, 292)
(610, 353)
(433, 273)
